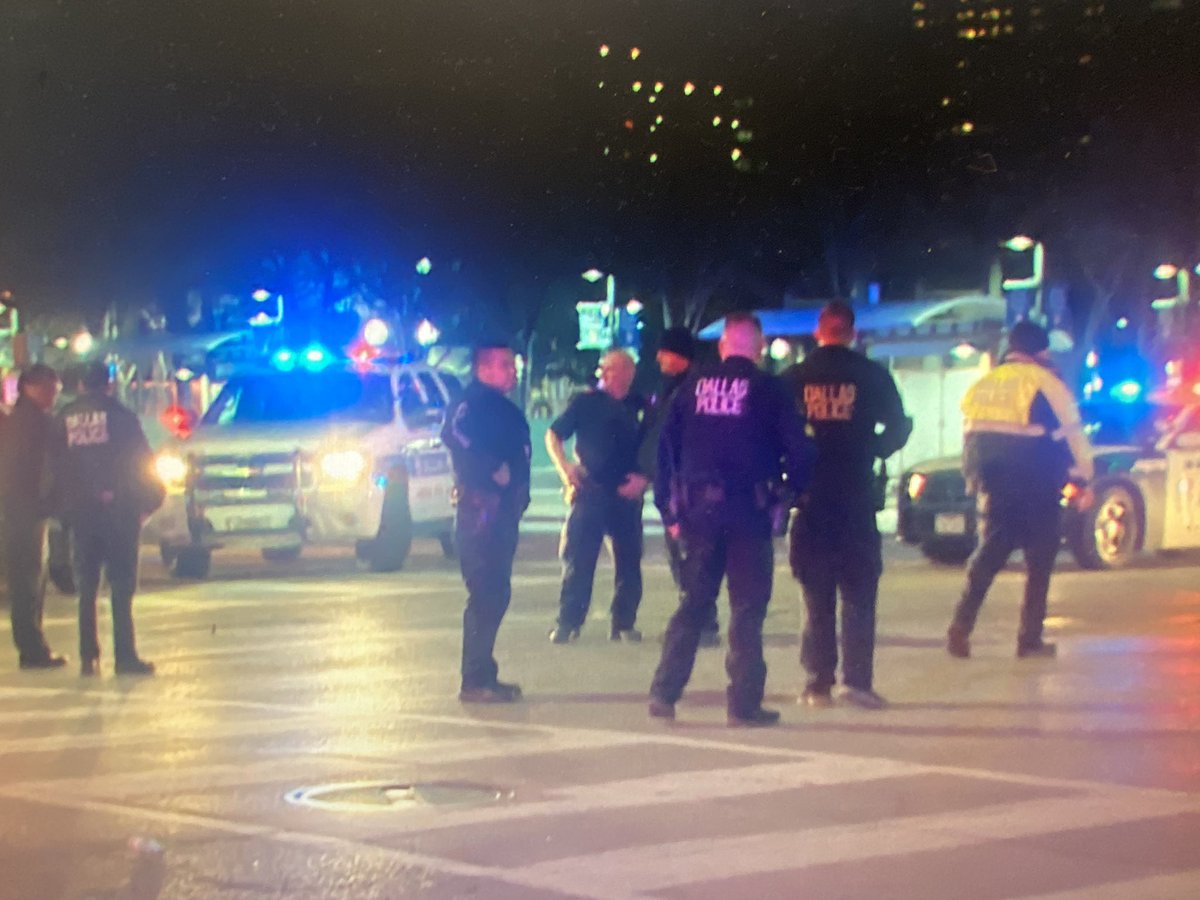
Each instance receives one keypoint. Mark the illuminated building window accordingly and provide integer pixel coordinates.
(604, 50)
(919, 23)
(918, 6)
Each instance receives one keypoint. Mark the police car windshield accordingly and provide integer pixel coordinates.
(302, 397)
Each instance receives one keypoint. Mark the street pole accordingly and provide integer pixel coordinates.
(610, 297)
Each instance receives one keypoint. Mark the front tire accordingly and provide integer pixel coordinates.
(192, 563)
(1108, 535)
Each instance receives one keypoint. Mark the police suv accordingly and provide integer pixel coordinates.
(300, 454)
(1147, 489)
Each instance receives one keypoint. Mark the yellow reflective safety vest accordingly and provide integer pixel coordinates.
(1022, 430)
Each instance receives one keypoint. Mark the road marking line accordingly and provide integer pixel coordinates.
(657, 867)
(1152, 887)
(299, 765)
(689, 785)
(433, 864)
(160, 729)
(661, 737)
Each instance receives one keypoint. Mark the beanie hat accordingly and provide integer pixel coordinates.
(1028, 338)
(678, 340)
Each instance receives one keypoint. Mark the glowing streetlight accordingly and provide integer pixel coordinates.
(1022, 243)
(658, 86)
(604, 50)
(376, 332)
(634, 306)
(635, 53)
(688, 89)
(262, 295)
(717, 89)
(637, 86)
(780, 349)
(424, 265)
(1183, 286)
(427, 333)
(83, 343)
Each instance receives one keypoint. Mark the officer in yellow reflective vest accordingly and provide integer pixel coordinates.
(1024, 441)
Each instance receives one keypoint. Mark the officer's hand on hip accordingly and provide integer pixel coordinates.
(634, 486)
(502, 476)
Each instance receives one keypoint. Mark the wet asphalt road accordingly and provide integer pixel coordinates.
(303, 739)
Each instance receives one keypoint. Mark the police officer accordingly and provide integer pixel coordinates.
(104, 473)
(604, 489)
(25, 491)
(731, 436)
(676, 350)
(854, 412)
(1023, 441)
(488, 438)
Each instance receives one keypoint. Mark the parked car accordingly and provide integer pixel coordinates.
(1147, 490)
(347, 455)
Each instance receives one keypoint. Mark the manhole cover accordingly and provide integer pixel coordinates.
(376, 796)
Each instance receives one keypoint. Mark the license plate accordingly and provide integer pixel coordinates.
(270, 518)
(950, 523)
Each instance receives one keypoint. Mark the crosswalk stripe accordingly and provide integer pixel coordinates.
(1153, 887)
(657, 867)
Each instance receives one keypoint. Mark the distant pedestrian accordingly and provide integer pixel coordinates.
(733, 451)
(1024, 440)
(105, 479)
(488, 438)
(25, 486)
(604, 488)
(853, 410)
(676, 352)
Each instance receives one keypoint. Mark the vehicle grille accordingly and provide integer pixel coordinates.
(273, 473)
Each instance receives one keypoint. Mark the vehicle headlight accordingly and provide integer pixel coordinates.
(343, 465)
(916, 484)
(172, 470)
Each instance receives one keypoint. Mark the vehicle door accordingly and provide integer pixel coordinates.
(1181, 524)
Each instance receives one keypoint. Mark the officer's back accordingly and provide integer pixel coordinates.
(844, 398)
(102, 456)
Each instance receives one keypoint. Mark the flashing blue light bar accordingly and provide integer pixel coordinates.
(1127, 391)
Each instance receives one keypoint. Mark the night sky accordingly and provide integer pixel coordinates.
(144, 146)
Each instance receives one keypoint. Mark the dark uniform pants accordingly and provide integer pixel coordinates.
(721, 540)
(675, 562)
(594, 514)
(107, 540)
(24, 560)
(1025, 519)
(834, 552)
(486, 532)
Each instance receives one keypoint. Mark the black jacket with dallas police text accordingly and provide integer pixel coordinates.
(853, 410)
(734, 425)
(101, 459)
(485, 430)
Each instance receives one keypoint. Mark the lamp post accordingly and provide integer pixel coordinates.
(1023, 244)
(610, 300)
(1183, 285)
